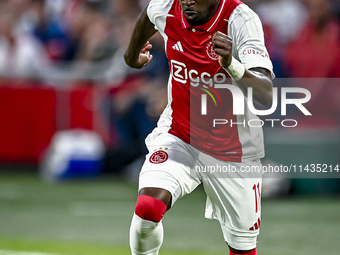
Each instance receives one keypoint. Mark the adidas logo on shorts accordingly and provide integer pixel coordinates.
(256, 225)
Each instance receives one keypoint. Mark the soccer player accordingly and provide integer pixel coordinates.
(207, 42)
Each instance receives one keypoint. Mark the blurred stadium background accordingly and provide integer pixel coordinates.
(74, 118)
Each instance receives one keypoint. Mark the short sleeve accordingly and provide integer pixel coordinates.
(158, 11)
(245, 29)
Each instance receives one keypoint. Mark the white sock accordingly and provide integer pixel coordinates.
(146, 237)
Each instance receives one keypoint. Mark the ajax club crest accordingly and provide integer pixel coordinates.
(159, 157)
(211, 53)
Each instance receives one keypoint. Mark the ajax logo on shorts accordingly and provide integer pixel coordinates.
(159, 156)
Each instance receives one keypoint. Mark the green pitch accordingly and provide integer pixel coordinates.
(87, 218)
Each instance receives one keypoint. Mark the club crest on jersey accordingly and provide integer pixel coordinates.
(159, 157)
(210, 52)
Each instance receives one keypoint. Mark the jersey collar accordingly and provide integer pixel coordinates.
(208, 26)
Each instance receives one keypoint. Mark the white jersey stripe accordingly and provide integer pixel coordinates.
(218, 16)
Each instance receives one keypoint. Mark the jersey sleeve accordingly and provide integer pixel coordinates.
(158, 12)
(245, 29)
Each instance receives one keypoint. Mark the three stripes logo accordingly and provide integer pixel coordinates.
(178, 46)
(256, 225)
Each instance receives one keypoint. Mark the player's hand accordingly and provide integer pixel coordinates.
(222, 45)
(143, 59)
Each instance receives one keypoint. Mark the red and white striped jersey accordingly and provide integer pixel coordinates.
(195, 70)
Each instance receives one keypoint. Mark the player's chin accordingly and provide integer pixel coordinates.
(192, 18)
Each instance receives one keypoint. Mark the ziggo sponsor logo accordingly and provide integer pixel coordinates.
(180, 73)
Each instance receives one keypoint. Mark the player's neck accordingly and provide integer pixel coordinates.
(212, 11)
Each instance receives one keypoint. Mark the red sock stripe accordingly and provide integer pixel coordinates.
(149, 208)
(253, 252)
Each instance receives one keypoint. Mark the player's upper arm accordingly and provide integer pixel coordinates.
(246, 30)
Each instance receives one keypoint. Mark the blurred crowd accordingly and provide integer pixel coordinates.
(56, 41)
(66, 39)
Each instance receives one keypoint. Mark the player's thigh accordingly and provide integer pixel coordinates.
(167, 166)
(236, 204)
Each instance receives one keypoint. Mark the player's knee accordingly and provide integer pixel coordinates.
(149, 208)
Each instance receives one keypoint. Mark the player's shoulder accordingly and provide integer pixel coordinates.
(243, 12)
(157, 8)
(160, 3)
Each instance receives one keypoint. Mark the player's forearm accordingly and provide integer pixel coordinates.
(142, 32)
(258, 79)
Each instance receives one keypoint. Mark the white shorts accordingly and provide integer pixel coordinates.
(179, 168)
